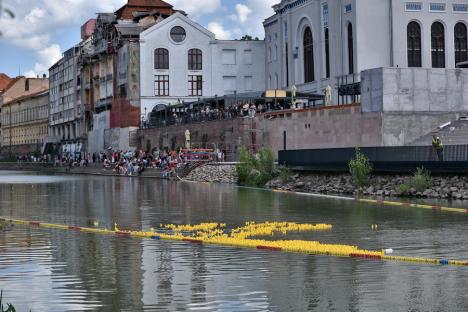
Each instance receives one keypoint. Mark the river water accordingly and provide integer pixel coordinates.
(53, 270)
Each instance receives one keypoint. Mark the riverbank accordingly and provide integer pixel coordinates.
(442, 187)
(214, 173)
(92, 169)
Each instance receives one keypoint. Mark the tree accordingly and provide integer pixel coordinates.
(249, 38)
(5, 11)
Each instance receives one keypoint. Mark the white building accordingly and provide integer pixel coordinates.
(182, 61)
(66, 116)
(315, 43)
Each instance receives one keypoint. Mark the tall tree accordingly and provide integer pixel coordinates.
(5, 11)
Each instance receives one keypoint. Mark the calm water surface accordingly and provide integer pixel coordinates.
(53, 270)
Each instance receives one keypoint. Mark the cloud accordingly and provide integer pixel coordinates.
(197, 8)
(246, 19)
(259, 11)
(243, 12)
(36, 21)
(46, 58)
(219, 31)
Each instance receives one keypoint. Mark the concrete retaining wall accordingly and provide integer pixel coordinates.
(326, 127)
(223, 134)
(414, 90)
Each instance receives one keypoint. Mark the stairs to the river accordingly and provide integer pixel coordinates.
(453, 133)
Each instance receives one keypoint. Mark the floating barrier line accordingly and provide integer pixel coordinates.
(412, 205)
(379, 202)
(307, 247)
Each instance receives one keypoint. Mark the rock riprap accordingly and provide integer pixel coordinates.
(214, 173)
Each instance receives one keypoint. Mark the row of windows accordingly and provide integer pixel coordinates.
(161, 85)
(308, 46)
(195, 58)
(31, 135)
(436, 7)
(161, 59)
(437, 44)
(24, 115)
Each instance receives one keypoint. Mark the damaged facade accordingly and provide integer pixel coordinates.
(107, 93)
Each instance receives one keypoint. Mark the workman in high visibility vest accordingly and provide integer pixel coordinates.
(439, 147)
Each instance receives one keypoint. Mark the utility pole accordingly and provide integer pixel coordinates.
(10, 129)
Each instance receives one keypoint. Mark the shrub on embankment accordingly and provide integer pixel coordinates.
(255, 169)
(360, 168)
(9, 306)
(419, 182)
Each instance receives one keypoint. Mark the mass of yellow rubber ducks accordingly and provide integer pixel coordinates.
(249, 235)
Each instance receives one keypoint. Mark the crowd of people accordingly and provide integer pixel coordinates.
(131, 162)
(208, 113)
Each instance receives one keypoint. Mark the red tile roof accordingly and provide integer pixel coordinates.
(126, 12)
(4, 81)
(25, 97)
(153, 3)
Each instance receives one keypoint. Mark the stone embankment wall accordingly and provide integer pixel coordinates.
(227, 135)
(445, 187)
(214, 173)
(92, 169)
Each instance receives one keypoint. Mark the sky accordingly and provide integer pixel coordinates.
(43, 29)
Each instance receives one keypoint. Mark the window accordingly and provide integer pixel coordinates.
(348, 8)
(438, 45)
(308, 43)
(327, 53)
(414, 44)
(437, 7)
(229, 57)
(248, 83)
(350, 49)
(460, 7)
(229, 84)
(161, 59)
(413, 6)
(248, 57)
(326, 35)
(461, 51)
(161, 85)
(195, 85)
(195, 59)
(178, 34)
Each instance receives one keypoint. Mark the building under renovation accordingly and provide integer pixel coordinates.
(105, 79)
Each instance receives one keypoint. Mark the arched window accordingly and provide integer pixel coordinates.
(308, 56)
(438, 45)
(161, 59)
(461, 50)
(350, 49)
(413, 33)
(195, 59)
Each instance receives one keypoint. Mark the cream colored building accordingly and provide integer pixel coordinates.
(25, 121)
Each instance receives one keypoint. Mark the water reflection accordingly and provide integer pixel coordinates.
(69, 271)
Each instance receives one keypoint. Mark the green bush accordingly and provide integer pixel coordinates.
(404, 188)
(284, 173)
(9, 308)
(257, 169)
(421, 179)
(360, 169)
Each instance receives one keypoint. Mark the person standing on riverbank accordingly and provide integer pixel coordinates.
(439, 147)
